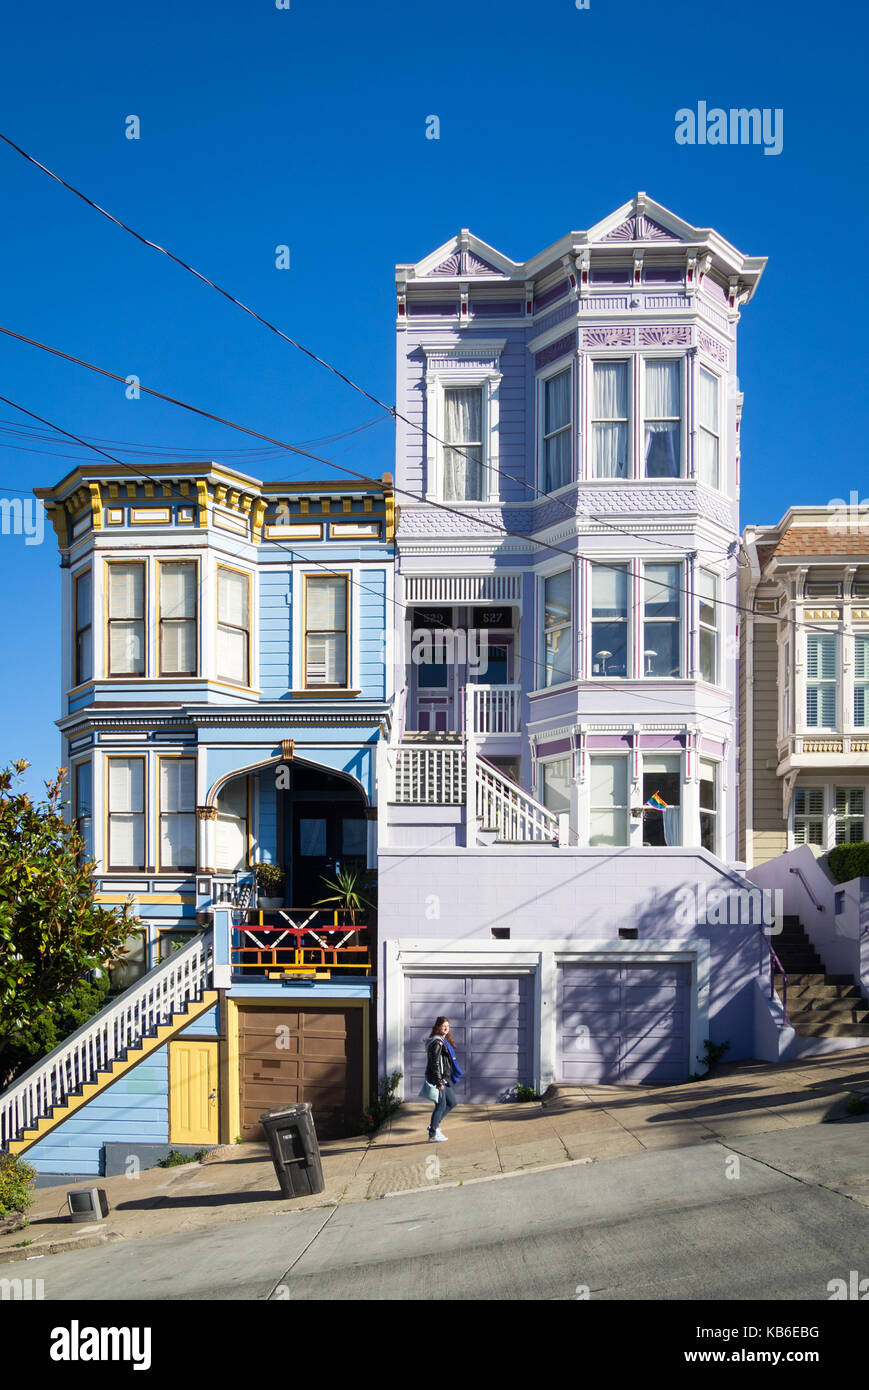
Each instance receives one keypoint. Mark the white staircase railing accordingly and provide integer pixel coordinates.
(504, 806)
(493, 709)
(104, 1039)
(430, 774)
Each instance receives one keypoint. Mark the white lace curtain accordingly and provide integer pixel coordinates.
(610, 409)
(463, 467)
(663, 419)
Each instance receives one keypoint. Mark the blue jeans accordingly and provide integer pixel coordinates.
(445, 1102)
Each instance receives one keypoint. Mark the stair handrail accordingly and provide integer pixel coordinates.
(805, 882)
(121, 1023)
(773, 962)
(530, 807)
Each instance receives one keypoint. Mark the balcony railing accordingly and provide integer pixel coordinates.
(297, 941)
(493, 709)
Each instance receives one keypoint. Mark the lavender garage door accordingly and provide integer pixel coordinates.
(491, 1019)
(623, 1023)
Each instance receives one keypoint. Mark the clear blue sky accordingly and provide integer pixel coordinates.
(306, 126)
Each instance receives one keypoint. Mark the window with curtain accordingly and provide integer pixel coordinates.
(850, 815)
(861, 680)
(709, 805)
(610, 641)
(662, 779)
(232, 832)
(708, 614)
(608, 791)
(126, 813)
(557, 628)
(663, 425)
(809, 816)
(556, 785)
(556, 431)
(84, 631)
(662, 628)
(709, 435)
(609, 419)
(178, 618)
(463, 444)
(326, 630)
(83, 773)
(178, 813)
(821, 680)
(126, 619)
(233, 626)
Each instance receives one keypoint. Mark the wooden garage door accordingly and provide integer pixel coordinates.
(289, 1055)
(491, 1020)
(623, 1023)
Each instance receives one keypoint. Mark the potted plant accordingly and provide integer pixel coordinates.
(348, 895)
(270, 883)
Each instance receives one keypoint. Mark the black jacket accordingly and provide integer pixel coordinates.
(438, 1063)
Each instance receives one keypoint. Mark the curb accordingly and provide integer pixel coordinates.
(490, 1177)
(58, 1247)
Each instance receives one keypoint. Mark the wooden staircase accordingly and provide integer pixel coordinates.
(819, 1005)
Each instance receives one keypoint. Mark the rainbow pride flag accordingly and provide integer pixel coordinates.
(658, 802)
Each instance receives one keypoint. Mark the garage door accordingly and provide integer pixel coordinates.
(491, 1019)
(288, 1055)
(623, 1023)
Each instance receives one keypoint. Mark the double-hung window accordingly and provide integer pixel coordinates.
(178, 813)
(709, 610)
(558, 666)
(709, 437)
(850, 815)
(556, 785)
(709, 805)
(662, 627)
(861, 680)
(232, 821)
(663, 425)
(610, 643)
(809, 816)
(556, 431)
(610, 419)
(821, 680)
(178, 618)
(83, 792)
(326, 630)
(463, 444)
(126, 619)
(126, 797)
(608, 789)
(233, 626)
(84, 644)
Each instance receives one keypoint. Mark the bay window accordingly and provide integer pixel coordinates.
(708, 615)
(84, 645)
(861, 680)
(662, 609)
(326, 632)
(662, 786)
(821, 680)
(83, 805)
(178, 618)
(663, 422)
(610, 643)
(608, 791)
(709, 805)
(557, 423)
(178, 813)
(558, 664)
(463, 444)
(126, 813)
(126, 618)
(610, 416)
(809, 816)
(709, 438)
(233, 626)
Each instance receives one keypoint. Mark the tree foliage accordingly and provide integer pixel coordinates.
(53, 935)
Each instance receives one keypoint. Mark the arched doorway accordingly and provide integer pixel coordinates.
(321, 828)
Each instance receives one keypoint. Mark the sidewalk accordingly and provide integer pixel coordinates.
(586, 1124)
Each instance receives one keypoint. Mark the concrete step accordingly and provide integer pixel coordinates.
(805, 1028)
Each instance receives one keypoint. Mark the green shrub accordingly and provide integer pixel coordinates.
(269, 879)
(16, 1181)
(384, 1104)
(526, 1092)
(174, 1158)
(856, 1105)
(849, 861)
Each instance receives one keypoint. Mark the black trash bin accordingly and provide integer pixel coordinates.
(295, 1152)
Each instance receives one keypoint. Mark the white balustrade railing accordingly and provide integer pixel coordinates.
(493, 709)
(430, 774)
(105, 1038)
(504, 806)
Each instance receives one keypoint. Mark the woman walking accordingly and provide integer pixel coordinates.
(441, 1071)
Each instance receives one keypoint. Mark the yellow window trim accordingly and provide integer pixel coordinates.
(174, 868)
(228, 684)
(108, 674)
(107, 839)
(332, 574)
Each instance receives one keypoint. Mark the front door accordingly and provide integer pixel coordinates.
(326, 836)
(193, 1106)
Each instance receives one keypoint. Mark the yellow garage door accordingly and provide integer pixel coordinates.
(193, 1093)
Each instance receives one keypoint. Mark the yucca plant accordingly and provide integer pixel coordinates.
(347, 895)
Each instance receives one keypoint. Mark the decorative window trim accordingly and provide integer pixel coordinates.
(350, 654)
(77, 677)
(107, 620)
(174, 868)
(110, 866)
(158, 608)
(541, 626)
(564, 363)
(469, 365)
(227, 680)
(662, 356)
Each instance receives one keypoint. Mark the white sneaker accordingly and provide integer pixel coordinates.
(440, 1137)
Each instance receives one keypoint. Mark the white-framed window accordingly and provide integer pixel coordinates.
(126, 618)
(83, 603)
(662, 797)
(177, 813)
(178, 617)
(708, 606)
(233, 626)
(861, 680)
(555, 779)
(821, 679)
(556, 431)
(709, 805)
(463, 444)
(84, 805)
(610, 419)
(126, 813)
(557, 628)
(326, 630)
(709, 435)
(662, 620)
(608, 795)
(786, 690)
(610, 620)
(850, 812)
(232, 826)
(808, 803)
(662, 442)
